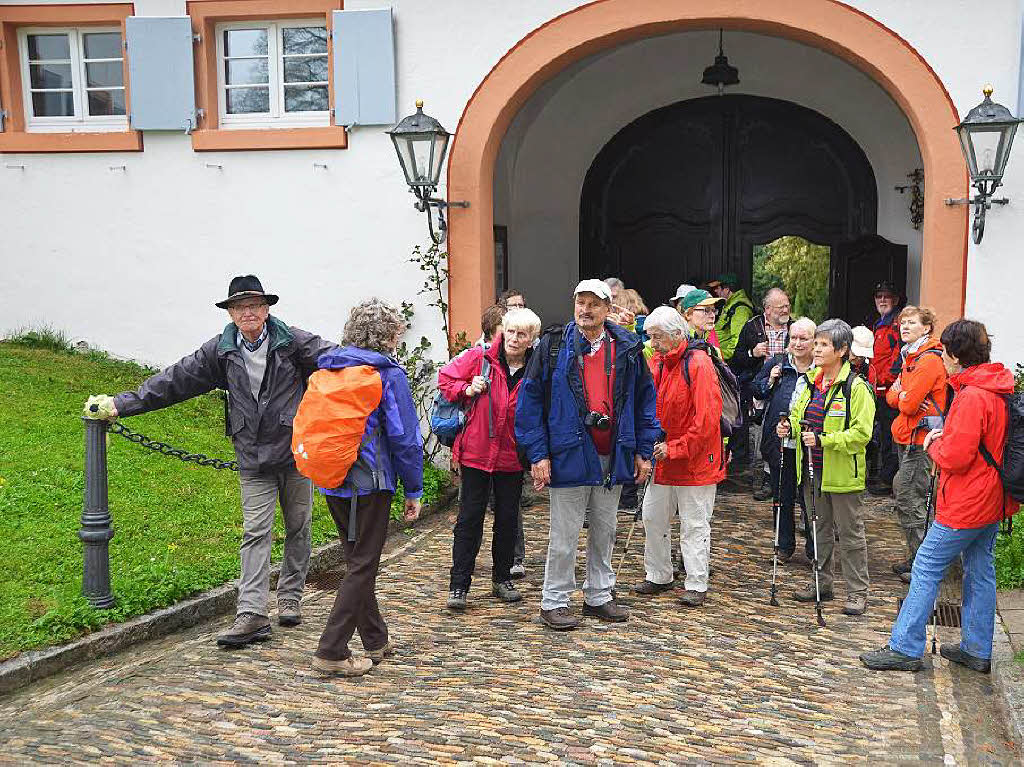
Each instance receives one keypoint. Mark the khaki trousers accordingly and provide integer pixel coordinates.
(840, 511)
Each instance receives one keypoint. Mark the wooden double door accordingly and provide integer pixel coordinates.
(687, 191)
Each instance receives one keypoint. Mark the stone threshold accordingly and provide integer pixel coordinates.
(33, 665)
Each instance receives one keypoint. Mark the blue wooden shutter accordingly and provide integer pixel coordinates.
(163, 95)
(364, 68)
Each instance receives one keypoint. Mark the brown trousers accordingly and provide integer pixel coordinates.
(355, 606)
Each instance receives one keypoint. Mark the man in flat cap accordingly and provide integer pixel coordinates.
(263, 364)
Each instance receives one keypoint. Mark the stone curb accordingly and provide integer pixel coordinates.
(34, 665)
(1008, 679)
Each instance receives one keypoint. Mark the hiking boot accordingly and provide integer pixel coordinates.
(289, 612)
(905, 577)
(506, 592)
(856, 604)
(691, 598)
(376, 656)
(807, 594)
(952, 652)
(247, 628)
(763, 493)
(903, 567)
(457, 599)
(784, 556)
(609, 611)
(880, 489)
(887, 659)
(351, 666)
(650, 587)
(517, 571)
(559, 619)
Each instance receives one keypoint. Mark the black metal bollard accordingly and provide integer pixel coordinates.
(97, 528)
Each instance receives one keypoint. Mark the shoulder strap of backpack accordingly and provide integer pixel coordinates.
(732, 311)
(485, 371)
(554, 335)
(847, 389)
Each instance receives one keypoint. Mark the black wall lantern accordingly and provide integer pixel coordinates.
(721, 73)
(986, 135)
(421, 143)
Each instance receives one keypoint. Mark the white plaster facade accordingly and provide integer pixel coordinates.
(132, 260)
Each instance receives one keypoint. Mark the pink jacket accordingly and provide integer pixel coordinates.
(475, 446)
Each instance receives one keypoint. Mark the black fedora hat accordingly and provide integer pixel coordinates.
(246, 286)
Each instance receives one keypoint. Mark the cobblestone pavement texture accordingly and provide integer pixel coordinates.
(736, 681)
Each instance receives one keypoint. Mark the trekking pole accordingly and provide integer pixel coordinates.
(814, 534)
(639, 510)
(927, 524)
(777, 511)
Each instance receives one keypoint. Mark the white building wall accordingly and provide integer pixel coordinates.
(132, 261)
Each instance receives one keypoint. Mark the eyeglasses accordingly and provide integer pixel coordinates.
(251, 307)
(706, 309)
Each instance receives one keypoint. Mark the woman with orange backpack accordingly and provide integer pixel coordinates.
(919, 392)
(485, 379)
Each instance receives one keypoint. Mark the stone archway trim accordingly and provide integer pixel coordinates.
(845, 32)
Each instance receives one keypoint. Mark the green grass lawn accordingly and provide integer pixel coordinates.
(1010, 556)
(177, 526)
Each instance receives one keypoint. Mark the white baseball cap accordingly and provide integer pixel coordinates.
(597, 287)
(863, 342)
(681, 291)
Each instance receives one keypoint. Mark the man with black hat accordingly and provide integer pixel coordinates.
(884, 368)
(263, 364)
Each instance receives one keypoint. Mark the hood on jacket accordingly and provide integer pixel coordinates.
(350, 356)
(991, 376)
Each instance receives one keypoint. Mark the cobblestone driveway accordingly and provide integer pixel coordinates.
(738, 681)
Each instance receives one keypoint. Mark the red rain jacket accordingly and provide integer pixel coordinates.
(970, 492)
(887, 349)
(474, 446)
(691, 417)
(923, 374)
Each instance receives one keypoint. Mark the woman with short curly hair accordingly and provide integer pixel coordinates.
(391, 449)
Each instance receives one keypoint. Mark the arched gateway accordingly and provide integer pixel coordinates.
(831, 26)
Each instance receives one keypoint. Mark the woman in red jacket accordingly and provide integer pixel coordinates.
(971, 503)
(485, 451)
(919, 392)
(689, 459)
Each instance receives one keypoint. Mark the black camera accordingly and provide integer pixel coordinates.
(595, 420)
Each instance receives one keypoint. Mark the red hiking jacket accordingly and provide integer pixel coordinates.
(923, 374)
(970, 492)
(474, 446)
(887, 349)
(691, 417)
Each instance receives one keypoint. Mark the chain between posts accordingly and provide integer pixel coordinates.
(164, 449)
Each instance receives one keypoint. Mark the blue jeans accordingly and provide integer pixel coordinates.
(940, 547)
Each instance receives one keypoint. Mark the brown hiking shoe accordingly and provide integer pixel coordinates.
(289, 612)
(856, 604)
(807, 594)
(609, 611)
(692, 598)
(350, 666)
(247, 628)
(376, 656)
(559, 619)
(650, 587)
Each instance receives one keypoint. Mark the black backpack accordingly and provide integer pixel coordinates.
(1011, 472)
(732, 415)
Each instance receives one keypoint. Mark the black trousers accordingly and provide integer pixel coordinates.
(789, 498)
(888, 459)
(469, 528)
(355, 606)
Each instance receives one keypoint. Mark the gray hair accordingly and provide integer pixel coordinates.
(838, 332)
(522, 319)
(771, 294)
(373, 325)
(804, 322)
(614, 282)
(667, 319)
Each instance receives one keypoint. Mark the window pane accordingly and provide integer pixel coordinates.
(305, 69)
(50, 75)
(246, 71)
(42, 47)
(245, 42)
(303, 98)
(248, 100)
(53, 104)
(104, 74)
(304, 39)
(103, 45)
(106, 102)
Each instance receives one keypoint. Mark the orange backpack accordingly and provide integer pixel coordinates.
(328, 429)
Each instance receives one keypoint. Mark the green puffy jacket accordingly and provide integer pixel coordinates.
(844, 460)
(731, 321)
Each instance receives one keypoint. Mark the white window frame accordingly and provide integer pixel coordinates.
(80, 122)
(276, 117)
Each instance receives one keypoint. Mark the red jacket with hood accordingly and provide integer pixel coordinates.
(970, 492)
(886, 350)
(691, 417)
(923, 374)
(475, 447)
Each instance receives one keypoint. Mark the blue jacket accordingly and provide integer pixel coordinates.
(563, 438)
(401, 443)
(777, 398)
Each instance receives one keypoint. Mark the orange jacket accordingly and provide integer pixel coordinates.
(691, 418)
(923, 374)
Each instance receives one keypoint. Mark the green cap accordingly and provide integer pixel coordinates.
(729, 279)
(699, 298)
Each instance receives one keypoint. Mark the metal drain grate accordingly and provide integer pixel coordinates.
(946, 613)
(329, 580)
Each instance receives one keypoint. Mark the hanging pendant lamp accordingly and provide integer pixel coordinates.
(721, 73)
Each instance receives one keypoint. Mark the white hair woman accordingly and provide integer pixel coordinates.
(690, 460)
(486, 380)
